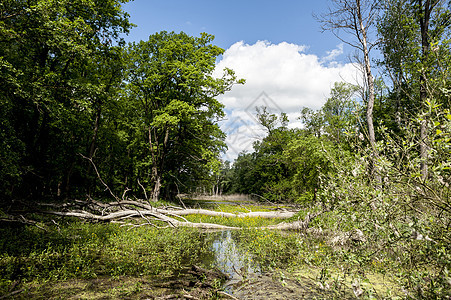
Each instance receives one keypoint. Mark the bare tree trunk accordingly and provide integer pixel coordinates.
(155, 175)
(95, 133)
(158, 156)
(156, 188)
(355, 18)
(371, 92)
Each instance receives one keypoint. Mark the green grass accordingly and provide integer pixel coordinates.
(79, 250)
(245, 222)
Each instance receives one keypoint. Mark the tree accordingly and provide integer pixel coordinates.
(309, 159)
(339, 117)
(265, 172)
(270, 121)
(172, 94)
(312, 120)
(415, 47)
(356, 18)
(46, 48)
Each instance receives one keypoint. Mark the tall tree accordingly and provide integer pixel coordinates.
(339, 116)
(47, 97)
(173, 94)
(356, 18)
(415, 47)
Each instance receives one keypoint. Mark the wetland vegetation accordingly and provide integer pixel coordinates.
(74, 258)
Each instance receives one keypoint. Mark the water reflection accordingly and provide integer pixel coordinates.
(231, 260)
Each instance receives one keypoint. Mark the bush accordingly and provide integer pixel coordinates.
(405, 217)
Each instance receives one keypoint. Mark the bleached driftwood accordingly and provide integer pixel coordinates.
(173, 216)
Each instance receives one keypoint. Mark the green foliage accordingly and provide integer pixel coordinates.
(264, 172)
(311, 160)
(413, 204)
(340, 117)
(406, 218)
(417, 63)
(80, 250)
(147, 115)
(70, 87)
(270, 249)
(171, 93)
(245, 222)
(287, 164)
(51, 76)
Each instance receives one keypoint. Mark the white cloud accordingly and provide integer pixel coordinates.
(282, 77)
(331, 55)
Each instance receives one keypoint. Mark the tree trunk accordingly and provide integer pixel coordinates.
(371, 93)
(211, 213)
(157, 186)
(92, 147)
(68, 177)
(155, 173)
(424, 149)
(425, 14)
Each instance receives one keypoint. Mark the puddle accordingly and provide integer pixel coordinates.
(230, 260)
(247, 281)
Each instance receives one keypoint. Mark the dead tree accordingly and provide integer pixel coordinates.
(355, 19)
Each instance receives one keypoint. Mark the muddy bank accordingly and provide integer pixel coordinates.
(279, 286)
(192, 283)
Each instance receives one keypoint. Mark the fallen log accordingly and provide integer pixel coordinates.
(125, 209)
(120, 215)
(254, 214)
(180, 211)
(159, 214)
(297, 225)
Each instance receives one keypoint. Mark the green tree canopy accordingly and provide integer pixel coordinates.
(47, 57)
(172, 93)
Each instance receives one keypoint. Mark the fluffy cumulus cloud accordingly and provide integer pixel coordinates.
(282, 77)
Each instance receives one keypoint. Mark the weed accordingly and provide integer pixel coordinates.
(81, 250)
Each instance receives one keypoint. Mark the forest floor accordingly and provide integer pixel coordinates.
(79, 260)
(179, 287)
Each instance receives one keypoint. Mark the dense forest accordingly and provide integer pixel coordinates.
(145, 113)
(86, 116)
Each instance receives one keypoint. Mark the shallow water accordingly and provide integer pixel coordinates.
(247, 281)
(226, 255)
(230, 260)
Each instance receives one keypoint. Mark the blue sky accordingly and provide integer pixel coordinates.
(232, 21)
(277, 46)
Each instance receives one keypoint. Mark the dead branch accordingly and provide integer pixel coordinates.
(100, 178)
(172, 216)
(297, 225)
(12, 294)
(21, 220)
(228, 296)
(144, 190)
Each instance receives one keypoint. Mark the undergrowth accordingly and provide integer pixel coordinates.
(83, 250)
